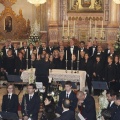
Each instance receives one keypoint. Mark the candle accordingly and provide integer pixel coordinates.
(78, 55)
(95, 27)
(27, 53)
(90, 27)
(66, 54)
(63, 27)
(102, 29)
(68, 28)
(74, 29)
(20, 44)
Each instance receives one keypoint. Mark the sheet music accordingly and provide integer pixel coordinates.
(81, 117)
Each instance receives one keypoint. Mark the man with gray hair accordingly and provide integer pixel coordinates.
(86, 105)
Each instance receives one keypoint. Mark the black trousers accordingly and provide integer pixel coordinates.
(88, 80)
(44, 80)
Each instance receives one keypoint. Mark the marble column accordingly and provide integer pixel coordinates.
(54, 12)
(113, 14)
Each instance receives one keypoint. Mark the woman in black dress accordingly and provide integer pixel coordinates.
(20, 64)
(49, 109)
(9, 63)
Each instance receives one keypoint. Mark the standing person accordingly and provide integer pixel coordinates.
(86, 104)
(68, 93)
(82, 47)
(30, 104)
(10, 100)
(42, 73)
(72, 49)
(89, 70)
(9, 63)
(20, 64)
(117, 69)
(110, 73)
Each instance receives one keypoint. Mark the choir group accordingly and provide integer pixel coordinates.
(100, 65)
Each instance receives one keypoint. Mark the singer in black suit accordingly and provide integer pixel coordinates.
(30, 103)
(10, 101)
(87, 105)
(72, 49)
(68, 93)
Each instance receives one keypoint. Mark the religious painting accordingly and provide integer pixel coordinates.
(8, 24)
(86, 3)
(85, 6)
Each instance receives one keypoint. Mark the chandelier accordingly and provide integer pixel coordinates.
(117, 1)
(36, 2)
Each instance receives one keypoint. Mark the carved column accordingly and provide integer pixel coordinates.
(113, 14)
(54, 12)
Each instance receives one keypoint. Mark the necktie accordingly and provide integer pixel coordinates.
(30, 98)
(67, 96)
(9, 97)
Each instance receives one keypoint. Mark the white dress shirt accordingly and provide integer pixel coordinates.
(71, 49)
(68, 94)
(9, 95)
(31, 96)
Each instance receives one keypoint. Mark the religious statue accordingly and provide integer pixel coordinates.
(8, 24)
(76, 5)
(98, 5)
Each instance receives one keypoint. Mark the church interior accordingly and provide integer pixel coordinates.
(60, 46)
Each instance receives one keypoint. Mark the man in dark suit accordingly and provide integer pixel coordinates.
(50, 48)
(68, 93)
(111, 97)
(16, 49)
(10, 101)
(116, 115)
(72, 49)
(44, 48)
(93, 50)
(86, 105)
(67, 114)
(82, 47)
(30, 104)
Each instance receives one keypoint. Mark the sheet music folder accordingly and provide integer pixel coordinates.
(99, 85)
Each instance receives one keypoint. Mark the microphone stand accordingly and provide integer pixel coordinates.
(78, 65)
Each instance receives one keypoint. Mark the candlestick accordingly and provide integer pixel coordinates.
(68, 28)
(66, 54)
(95, 27)
(74, 29)
(102, 30)
(90, 27)
(26, 53)
(63, 28)
(78, 54)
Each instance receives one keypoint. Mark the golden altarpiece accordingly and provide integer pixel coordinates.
(87, 18)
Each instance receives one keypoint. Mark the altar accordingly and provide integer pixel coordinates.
(57, 75)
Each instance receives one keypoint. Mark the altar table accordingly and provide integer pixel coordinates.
(58, 75)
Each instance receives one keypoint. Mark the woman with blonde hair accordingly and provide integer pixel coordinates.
(10, 100)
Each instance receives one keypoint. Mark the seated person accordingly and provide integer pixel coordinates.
(30, 104)
(86, 105)
(111, 97)
(67, 114)
(68, 93)
(49, 109)
(106, 114)
(10, 100)
(116, 116)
